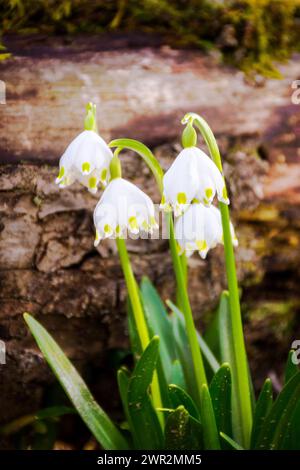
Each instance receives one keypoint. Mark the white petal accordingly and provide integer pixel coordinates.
(87, 159)
(125, 206)
(181, 181)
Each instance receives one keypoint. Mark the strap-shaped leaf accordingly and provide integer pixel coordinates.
(206, 351)
(232, 444)
(147, 433)
(227, 339)
(137, 352)
(123, 383)
(159, 324)
(182, 432)
(278, 422)
(51, 413)
(92, 414)
(178, 397)
(262, 409)
(177, 374)
(220, 392)
(210, 431)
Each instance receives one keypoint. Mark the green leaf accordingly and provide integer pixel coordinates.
(147, 433)
(182, 432)
(290, 369)
(210, 431)
(276, 430)
(207, 353)
(234, 445)
(184, 355)
(220, 392)
(92, 414)
(159, 324)
(51, 413)
(123, 383)
(262, 409)
(226, 340)
(135, 342)
(177, 374)
(178, 397)
(145, 153)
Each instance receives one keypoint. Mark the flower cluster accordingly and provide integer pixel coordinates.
(189, 188)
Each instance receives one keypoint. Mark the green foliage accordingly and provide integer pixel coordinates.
(182, 432)
(144, 422)
(92, 414)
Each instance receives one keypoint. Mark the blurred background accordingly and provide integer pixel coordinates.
(145, 64)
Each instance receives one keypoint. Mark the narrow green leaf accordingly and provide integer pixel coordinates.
(184, 355)
(92, 414)
(227, 355)
(178, 397)
(123, 382)
(145, 153)
(50, 413)
(234, 445)
(220, 392)
(159, 324)
(290, 369)
(135, 342)
(262, 409)
(147, 433)
(277, 425)
(207, 353)
(210, 431)
(182, 432)
(177, 374)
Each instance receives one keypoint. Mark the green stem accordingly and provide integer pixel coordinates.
(138, 313)
(199, 370)
(240, 370)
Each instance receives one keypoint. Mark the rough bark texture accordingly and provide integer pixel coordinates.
(48, 265)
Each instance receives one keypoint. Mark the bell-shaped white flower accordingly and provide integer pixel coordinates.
(86, 160)
(200, 229)
(123, 206)
(192, 177)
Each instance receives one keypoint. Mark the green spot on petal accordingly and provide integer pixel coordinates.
(208, 193)
(201, 245)
(133, 223)
(86, 167)
(107, 228)
(104, 174)
(163, 200)
(181, 198)
(224, 193)
(195, 201)
(93, 182)
(61, 172)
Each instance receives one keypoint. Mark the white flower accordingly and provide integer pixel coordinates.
(200, 229)
(192, 177)
(86, 160)
(123, 206)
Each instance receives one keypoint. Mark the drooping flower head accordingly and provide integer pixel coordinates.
(86, 160)
(123, 206)
(200, 229)
(192, 177)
